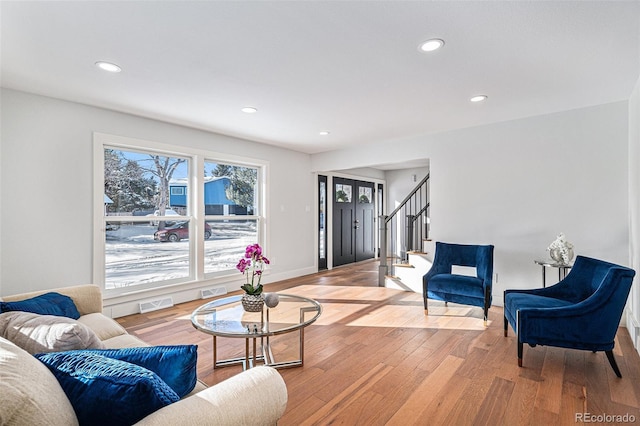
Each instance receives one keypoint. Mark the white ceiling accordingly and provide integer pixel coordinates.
(350, 67)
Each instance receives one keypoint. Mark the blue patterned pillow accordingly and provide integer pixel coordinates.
(45, 304)
(105, 391)
(176, 365)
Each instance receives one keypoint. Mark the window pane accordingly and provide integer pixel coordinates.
(322, 194)
(365, 194)
(343, 193)
(227, 243)
(150, 249)
(230, 189)
(137, 183)
(133, 257)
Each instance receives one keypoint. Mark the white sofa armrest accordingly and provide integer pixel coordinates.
(254, 397)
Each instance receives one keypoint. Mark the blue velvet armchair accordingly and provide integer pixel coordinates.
(582, 311)
(440, 284)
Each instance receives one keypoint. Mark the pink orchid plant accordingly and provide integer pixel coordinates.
(252, 264)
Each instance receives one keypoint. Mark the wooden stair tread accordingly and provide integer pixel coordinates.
(403, 265)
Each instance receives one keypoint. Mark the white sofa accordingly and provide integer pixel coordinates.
(31, 395)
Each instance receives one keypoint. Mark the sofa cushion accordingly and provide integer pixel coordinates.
(46, 333)
(105, 391)
(46, 304)
(102, 325)
(30, 394)
(124, 341)
(176, 365)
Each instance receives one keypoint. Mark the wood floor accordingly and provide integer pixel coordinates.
(374, 358)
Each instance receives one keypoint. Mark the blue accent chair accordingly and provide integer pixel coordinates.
(582, 311)
(440, 284)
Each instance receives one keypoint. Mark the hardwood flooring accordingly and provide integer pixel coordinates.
(374, 358)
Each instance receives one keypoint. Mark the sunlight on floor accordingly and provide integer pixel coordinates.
(405, 310)
(356, 294)
(452, 317)
(384, 307)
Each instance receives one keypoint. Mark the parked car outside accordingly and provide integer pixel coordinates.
(167, 212)
(178, 232)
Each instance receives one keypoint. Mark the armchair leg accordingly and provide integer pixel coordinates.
(506, 326)
(612, 361)
(520, 344)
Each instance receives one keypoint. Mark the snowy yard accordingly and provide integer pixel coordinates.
(133, 257)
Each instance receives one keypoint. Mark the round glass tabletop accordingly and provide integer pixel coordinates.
(226, 317)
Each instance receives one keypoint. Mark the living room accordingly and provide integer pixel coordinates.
(567, 163)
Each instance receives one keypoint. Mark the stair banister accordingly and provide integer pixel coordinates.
(409, 225)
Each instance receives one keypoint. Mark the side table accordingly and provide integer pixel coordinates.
(562, 269)
(226, 318)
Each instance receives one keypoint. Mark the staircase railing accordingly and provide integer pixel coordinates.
(404, 229)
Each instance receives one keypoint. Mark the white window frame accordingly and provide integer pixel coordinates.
(195, 212)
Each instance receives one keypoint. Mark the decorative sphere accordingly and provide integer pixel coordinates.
(271, 300)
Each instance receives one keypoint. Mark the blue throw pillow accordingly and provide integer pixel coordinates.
(105, 391)
(45, 304)
(176, 365)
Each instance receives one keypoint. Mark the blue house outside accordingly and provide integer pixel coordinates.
(215, 196)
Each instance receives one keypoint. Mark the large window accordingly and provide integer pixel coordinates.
(169, 215)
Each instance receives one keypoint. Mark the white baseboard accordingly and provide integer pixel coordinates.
(120, 306)
(633, 326)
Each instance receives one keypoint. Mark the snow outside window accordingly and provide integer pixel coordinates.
(171, 217)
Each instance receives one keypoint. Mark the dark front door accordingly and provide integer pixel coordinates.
(353, 221)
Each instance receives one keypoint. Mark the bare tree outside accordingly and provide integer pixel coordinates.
(126, 185)
(164, 168)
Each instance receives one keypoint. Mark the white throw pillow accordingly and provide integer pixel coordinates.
(30, 394)
(46, 333)
(469, 271)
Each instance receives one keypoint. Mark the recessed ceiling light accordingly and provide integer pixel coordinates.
(108, 66)
(478, 98)
(324, 133)
(431, 45)
(249, 110)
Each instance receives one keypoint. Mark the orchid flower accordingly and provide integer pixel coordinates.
(252, 264)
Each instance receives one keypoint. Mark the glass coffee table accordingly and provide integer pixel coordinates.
(226, 318)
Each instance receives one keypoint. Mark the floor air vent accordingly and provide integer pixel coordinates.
(154, 305)
(213, 291)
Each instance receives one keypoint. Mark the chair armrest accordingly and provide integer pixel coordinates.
(255, 397)
(87, 297)
(581, 326)
(436, 269)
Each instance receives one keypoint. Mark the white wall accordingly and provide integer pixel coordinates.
(1, 101)
(518, 184)
(400, 183)
(364, 173)
(633, 304)
(46, 175)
